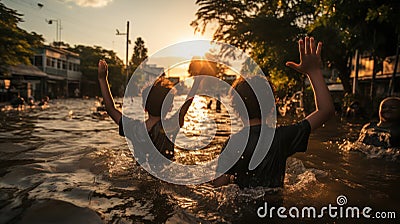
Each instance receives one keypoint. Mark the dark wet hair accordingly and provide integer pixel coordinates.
(246, 95)
(391, 98)
(153, 96)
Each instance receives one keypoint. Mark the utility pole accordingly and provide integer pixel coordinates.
(127, 51)
(58, 28)
(356, 68)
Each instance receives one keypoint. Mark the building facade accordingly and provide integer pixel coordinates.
(63, 71)
(383, 77)
(22, 81)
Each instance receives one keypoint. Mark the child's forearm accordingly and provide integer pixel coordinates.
(109, 101)
(194, 88)
(323, 100)
(310, 64)
(189, 98)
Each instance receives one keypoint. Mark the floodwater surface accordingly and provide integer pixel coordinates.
(66, 162)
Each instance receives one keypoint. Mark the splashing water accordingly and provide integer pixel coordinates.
(371, 151)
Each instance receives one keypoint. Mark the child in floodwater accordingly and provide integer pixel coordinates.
(386, 132)
(162, 132)
(287, 139)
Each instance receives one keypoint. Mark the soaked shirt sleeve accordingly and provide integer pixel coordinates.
(132, 123)
(121, 128)
(295, 137)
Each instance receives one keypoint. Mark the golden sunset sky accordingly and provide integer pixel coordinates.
(94, 22)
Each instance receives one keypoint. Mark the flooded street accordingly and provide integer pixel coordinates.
(66, 153)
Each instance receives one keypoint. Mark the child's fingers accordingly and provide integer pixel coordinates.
(101, 63)
(312, 45)
(307, 45)
(319, 48)
(301, 48)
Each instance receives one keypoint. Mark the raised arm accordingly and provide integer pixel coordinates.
(102, 76)
(185, 107)
(310, 64)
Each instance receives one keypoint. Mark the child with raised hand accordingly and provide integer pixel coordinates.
(287, 140)
(161, 132)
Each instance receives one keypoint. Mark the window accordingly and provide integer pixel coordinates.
(38, 61)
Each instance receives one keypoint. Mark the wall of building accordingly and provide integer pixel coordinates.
(63, 69)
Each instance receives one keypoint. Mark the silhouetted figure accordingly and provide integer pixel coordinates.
(31, 101)
(218, 104)
(287, 140)
(18, 102)
(102, 106)
(209, 104)
(159, 129)
(354, 110)
(338, 106)
(77, 92)
(386, 133)
(44, 101)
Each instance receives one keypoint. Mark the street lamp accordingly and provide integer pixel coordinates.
(127, 49)
(58, 28)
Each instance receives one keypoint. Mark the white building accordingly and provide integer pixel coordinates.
(62, 68)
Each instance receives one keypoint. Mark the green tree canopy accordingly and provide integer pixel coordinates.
(90, 57)
(266, 30)
(269, 29)
(16, 44)
(139, 55)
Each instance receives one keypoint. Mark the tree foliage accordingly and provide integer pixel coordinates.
(139, 55)
(266, 30)
(369, 26)
(269, 29)
(90, 57)
(16, 44)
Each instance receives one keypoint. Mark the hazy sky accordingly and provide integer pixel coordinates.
(94, 22)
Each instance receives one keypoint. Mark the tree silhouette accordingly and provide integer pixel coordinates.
(16, 45)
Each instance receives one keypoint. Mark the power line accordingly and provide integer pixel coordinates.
(58, 13)
(65, 18)
(76, 26)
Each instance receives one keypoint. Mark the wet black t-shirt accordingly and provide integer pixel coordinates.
(162, 138)
(162, 134)
(271, 172)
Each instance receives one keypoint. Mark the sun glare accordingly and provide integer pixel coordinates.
(187, 48)
(198, 48)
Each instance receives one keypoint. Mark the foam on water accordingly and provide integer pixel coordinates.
(373, 152)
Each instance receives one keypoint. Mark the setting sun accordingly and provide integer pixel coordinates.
(186, 49)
